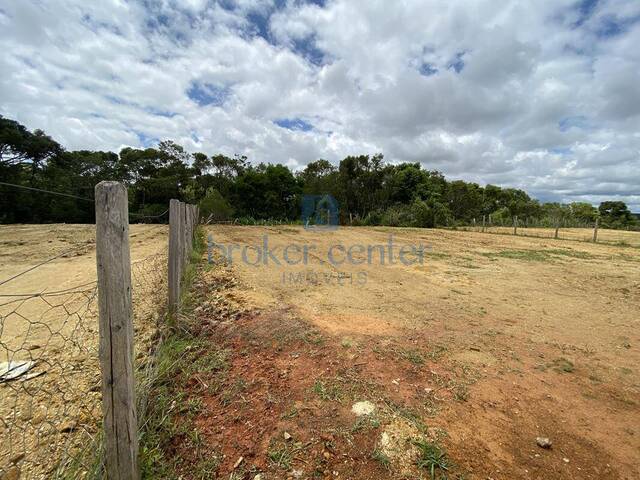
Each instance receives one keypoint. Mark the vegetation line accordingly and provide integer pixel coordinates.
(367, 190)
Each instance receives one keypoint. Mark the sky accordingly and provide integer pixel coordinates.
(541, 95)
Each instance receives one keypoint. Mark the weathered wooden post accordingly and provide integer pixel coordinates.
(193, 224)
(483, 222)
(183, 234)
(116, 331)
(515, 225)
(175, 259)
(189, 230)
(595, 231)
(557, 228)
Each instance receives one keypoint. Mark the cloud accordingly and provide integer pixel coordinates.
(537, 95)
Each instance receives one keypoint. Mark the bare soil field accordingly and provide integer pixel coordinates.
(48, 316)
(453, 366)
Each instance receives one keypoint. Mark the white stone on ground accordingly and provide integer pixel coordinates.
(363, 408)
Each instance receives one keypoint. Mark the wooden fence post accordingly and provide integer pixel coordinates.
(515, 225)
(483, 222)
(116, 331)
(192, 224)
(187, 232)
(595, 231)
(175, 256)
(183, 234)
(557, 228)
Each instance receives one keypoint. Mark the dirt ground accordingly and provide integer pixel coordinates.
(463, 359)
(44, 418)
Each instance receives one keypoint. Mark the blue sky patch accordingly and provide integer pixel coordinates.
(611, 26)
(147, 141)
(306, 47)
(561, 150)
(578, 121)
(457, 63)
(208, 94)
(160, 113)
(294, 124)
(427, 69)
(116, 100)
(585, 10)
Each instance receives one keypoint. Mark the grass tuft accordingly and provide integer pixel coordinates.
(433, 459)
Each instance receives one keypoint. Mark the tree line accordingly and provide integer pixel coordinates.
(369, 191)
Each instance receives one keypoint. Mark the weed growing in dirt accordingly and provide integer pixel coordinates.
(206, 468)
(413, 356)
(460, 392)
(291, 413)
(538, 255)
(408, 414)
(566, 252)
(433, 459)
(381, 458)
(364, 423)
(280, 457)
(346, 343)
(436, 352)
(327, 391)
(563, 365)
(230, 394)
(181, 357)
(527, 255)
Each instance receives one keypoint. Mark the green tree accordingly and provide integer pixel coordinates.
(615, 214)
(215, 206)
(583, 212)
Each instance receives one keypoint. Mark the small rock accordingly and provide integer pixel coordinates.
(238, 462)
(287, 436)
(66, 427)
(565, 460)
(543, 442)
(297, 473)
(12, 474)
(363, 408)
(258, 477)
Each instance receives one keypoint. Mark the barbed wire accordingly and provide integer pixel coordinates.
(69, 195)
(50, 192)
(40, 264)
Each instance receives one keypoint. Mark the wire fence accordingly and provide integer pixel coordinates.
(564, 230)
(50, 380)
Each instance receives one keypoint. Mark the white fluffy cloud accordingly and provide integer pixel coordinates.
(538, 95)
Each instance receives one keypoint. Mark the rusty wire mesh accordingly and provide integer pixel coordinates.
(50, 390)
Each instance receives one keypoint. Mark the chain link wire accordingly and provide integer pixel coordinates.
(50, 383)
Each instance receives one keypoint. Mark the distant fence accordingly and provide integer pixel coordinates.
(67, 358)
(579, 231)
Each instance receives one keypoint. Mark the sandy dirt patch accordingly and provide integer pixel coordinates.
(493, 341)
(46, 419)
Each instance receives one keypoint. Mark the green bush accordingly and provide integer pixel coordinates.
(215, 206)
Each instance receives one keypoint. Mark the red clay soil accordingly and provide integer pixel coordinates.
(283, 407)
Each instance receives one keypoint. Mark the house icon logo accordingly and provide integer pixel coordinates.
(320, 212)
